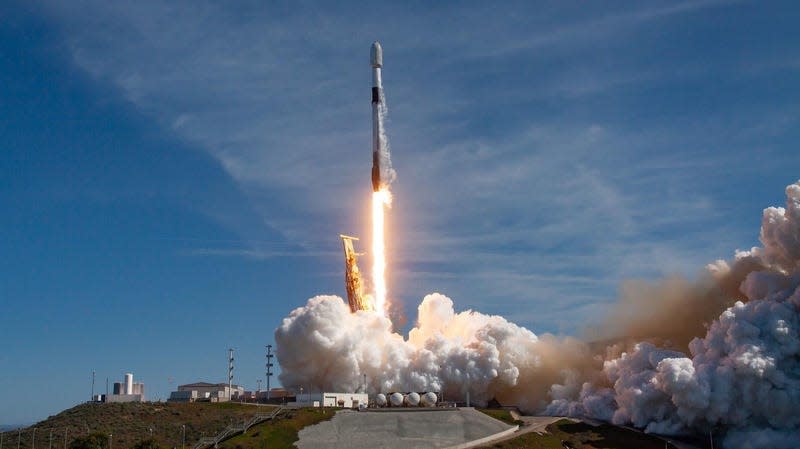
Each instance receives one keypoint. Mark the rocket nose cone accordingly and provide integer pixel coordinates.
(376, 55)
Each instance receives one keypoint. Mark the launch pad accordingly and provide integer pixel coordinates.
(457, 427)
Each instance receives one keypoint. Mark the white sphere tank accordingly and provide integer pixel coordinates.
(412, 399)
(380, 399)
(396, 399)
(429, 399)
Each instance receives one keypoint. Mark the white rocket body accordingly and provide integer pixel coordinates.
(379, 161)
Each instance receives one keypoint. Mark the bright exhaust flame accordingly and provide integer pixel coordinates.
(380, 199)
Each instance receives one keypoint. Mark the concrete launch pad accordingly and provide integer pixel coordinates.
(445, 428)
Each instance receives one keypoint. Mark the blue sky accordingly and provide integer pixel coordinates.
(175, 174)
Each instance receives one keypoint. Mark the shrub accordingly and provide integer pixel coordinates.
(149, 443)
(96, 440)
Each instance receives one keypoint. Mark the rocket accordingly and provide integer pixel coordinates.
(379, 170)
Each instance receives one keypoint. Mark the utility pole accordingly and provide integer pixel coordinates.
(33, 441)
(65, 438)
(230, 374)
(109, 440)
(19, 437)
(269, 368)
(51, 440)
(183, 436)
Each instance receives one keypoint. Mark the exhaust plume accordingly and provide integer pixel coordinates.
(381, 200)
(382, 177)
(721, 354)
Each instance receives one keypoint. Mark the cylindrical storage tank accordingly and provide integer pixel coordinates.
(128, 383)
(429, 399)
(412, 399)
(380, 399)
(396, 399)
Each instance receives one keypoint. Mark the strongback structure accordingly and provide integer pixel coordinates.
(352, 277)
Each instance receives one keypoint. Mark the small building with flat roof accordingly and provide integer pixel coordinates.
(329, 399)
(205, 391)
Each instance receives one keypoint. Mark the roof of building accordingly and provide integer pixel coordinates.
(206, 385)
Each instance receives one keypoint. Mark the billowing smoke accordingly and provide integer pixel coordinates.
(720, 354)
(324, 346)
(688, 306)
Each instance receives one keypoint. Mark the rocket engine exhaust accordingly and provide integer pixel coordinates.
(382, 177)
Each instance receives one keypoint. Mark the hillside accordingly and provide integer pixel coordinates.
(278, 434)
(133, 422)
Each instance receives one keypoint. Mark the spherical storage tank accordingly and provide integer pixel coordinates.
(412, 399)
(380, 399)
(396, 399)
(429, 399)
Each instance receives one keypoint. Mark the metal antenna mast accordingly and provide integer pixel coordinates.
(269, 367)
(230, 374)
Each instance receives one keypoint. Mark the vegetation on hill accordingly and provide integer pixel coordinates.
(280, 433)
(501, 415)
(94, 440)
(161, 425)
(132, 423)
(580, 435)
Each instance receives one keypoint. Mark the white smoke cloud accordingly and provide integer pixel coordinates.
(324, 346)
(742, 377)
(740, 374)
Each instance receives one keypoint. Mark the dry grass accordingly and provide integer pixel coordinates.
(131, 423)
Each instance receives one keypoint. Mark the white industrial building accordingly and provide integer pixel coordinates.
(328, 399)
(204, 391)
(127, 391)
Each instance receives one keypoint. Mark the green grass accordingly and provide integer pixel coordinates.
(530, 441)
(501, 415)
(583, 436)
(280, 433)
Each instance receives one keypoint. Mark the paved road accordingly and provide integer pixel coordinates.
(530, 424)
(536, 423)
(400, 430)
